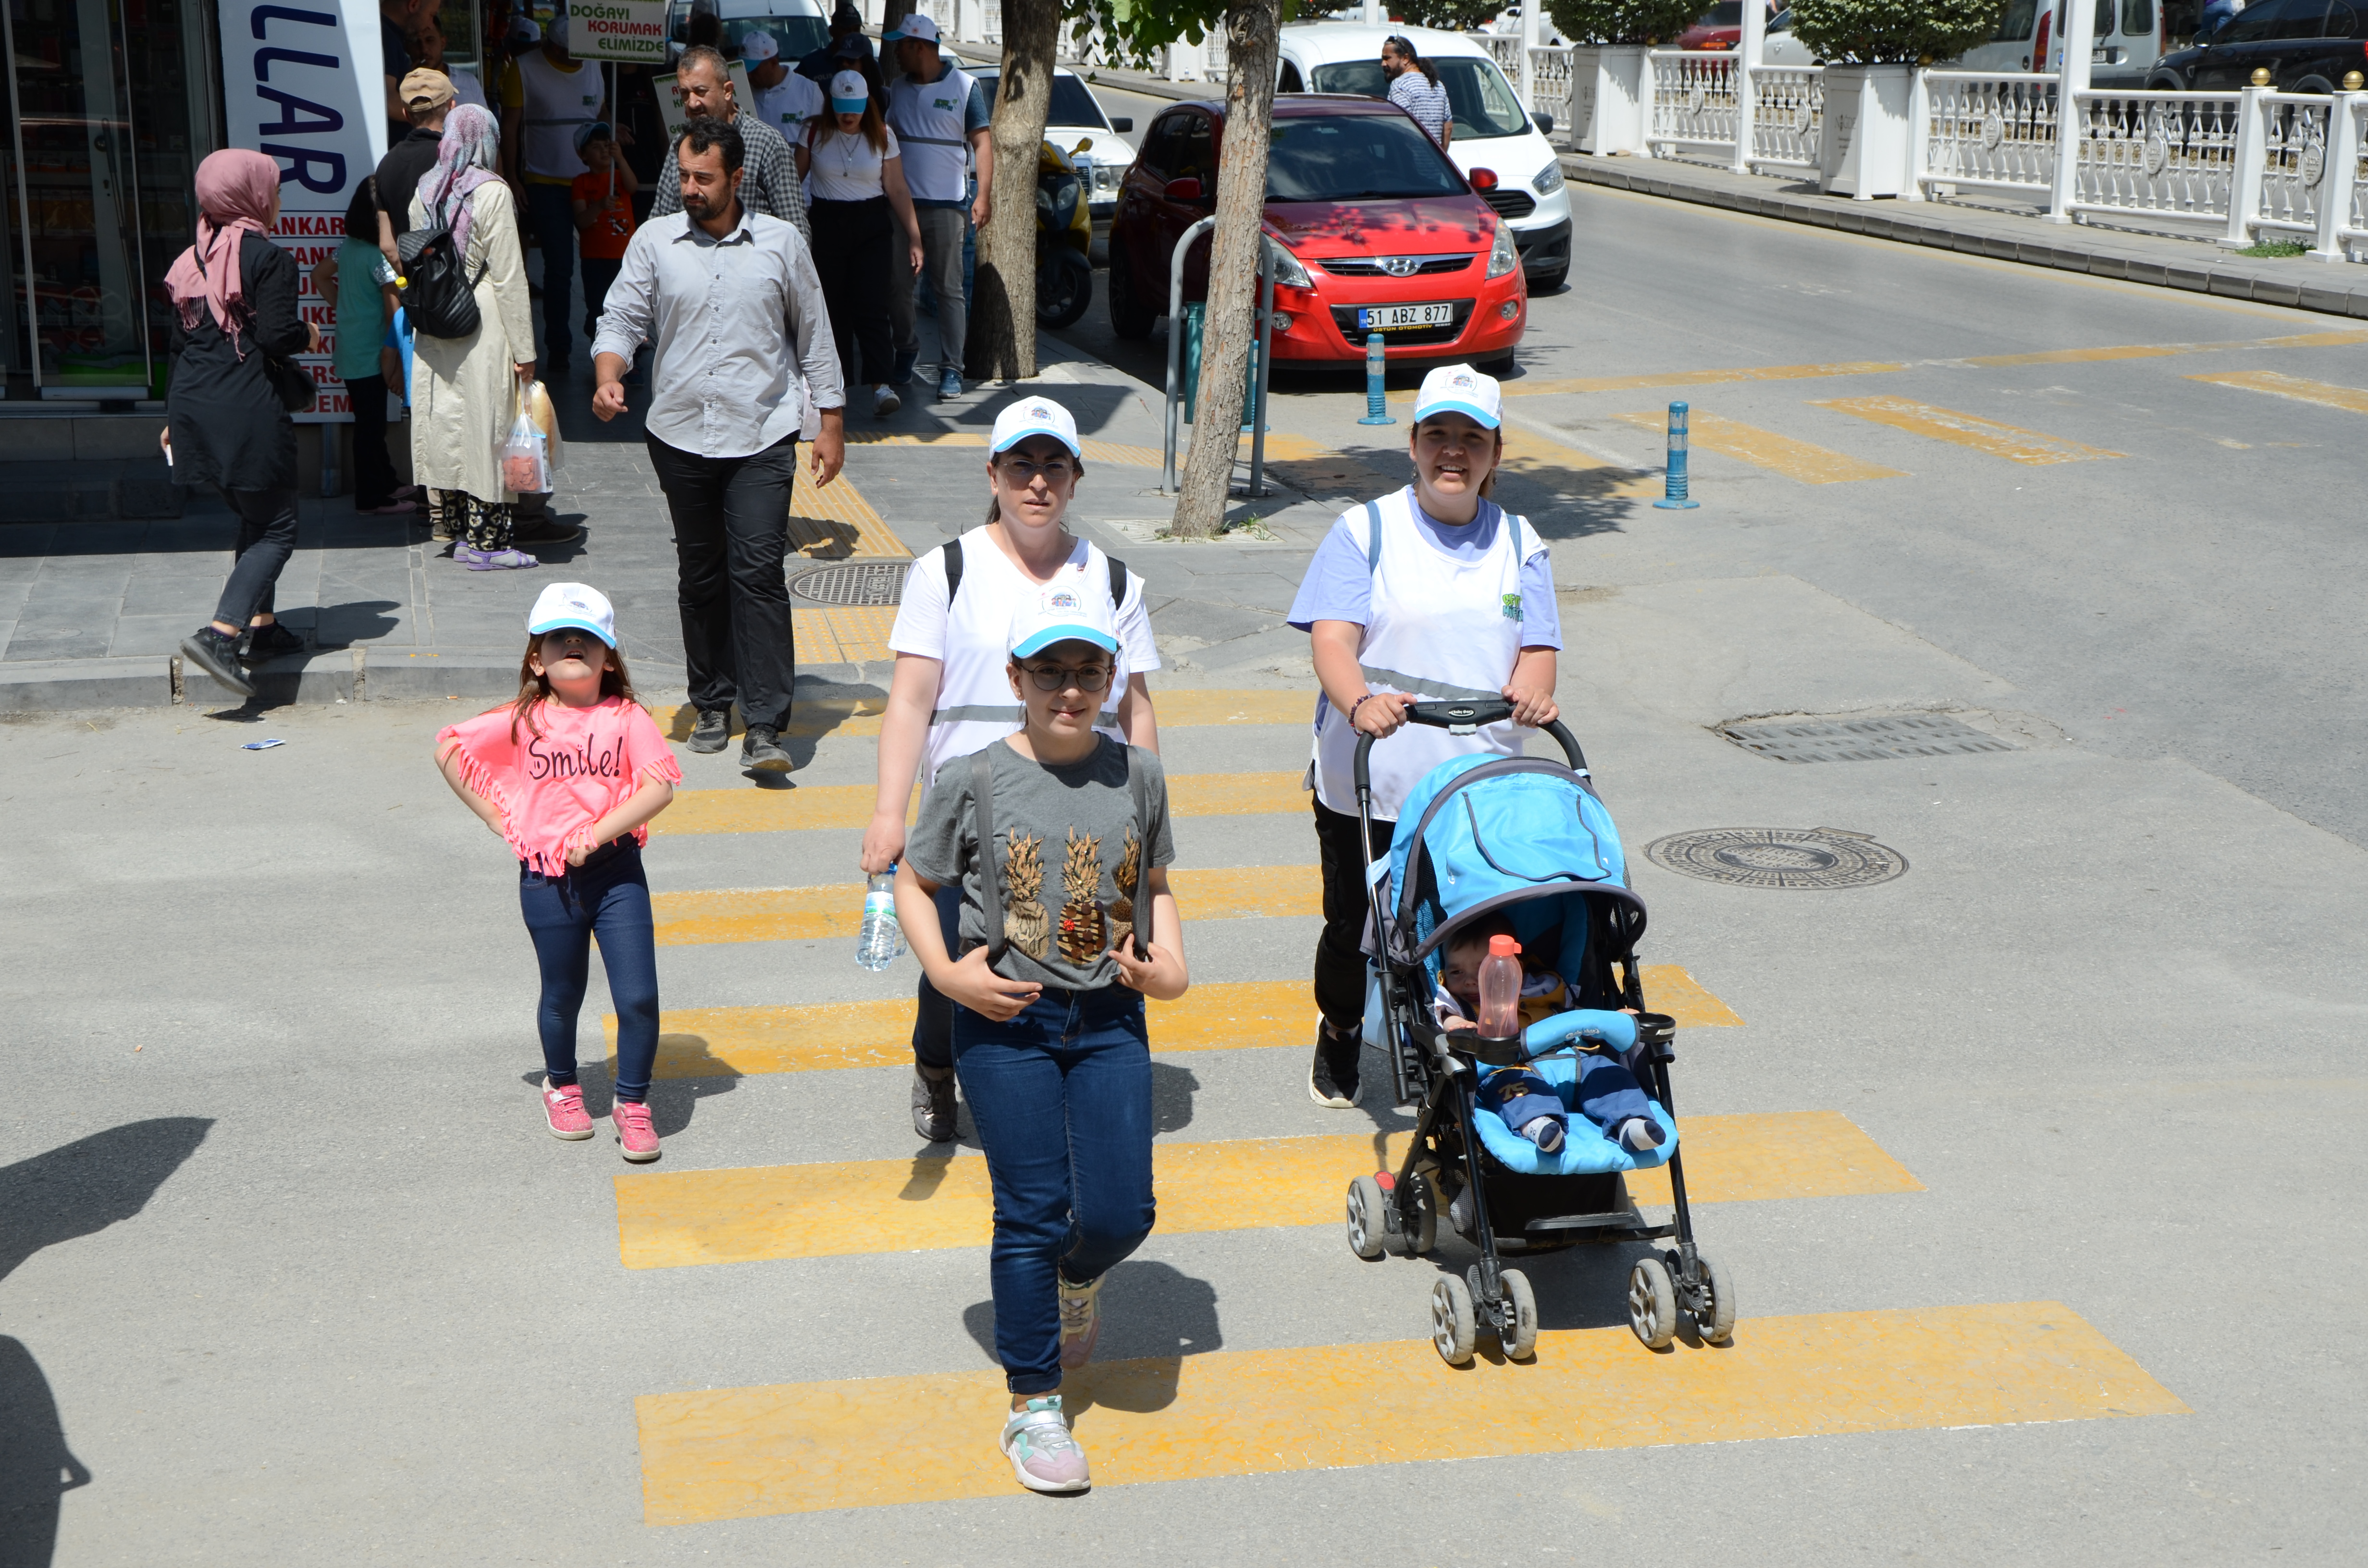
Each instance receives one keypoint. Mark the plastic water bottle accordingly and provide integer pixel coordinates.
(1500, 988)
(882, 939)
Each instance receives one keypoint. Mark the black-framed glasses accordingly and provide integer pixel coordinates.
(1055, 678)
(1023, 471)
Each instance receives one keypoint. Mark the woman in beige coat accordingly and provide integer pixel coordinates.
(464, 391)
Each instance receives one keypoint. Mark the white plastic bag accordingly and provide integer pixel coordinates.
(545, 419)
(525, 469)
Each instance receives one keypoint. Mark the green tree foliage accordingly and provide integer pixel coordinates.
(1450, 16)
(1875, 32)
(1625, 21)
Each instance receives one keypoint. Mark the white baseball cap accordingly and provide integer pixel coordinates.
(850, 93)
(561, 605)
(1068, 608)
(523, 30)
(914, 26)
(756, 45)
(1034, 416)
(1460, 389)
(556, 29)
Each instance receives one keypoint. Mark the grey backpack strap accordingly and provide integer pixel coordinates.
(1117, 584)
(990, 878)
(953, 554)
(1139, 785)
(1373, 537)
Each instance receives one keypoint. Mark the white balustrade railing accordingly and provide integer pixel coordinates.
(1550, 69)
(1504, 48)
(1991, 131)
(2348, 160)
(1693, 107)
(2295, 133)
(2157, 160)
(1788, 116)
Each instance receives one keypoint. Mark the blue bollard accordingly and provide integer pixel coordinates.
(1673, 485)
(1377, 410)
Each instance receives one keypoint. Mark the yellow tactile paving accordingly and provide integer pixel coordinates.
(734, 1043)
(836, 523)
(849, 805)
(797, 915)
(676, 1219)
(796, 1448)
(1765, 448)
(1541, 388)
(2009, 441)
(2351, 399)
(1092, 450)
(843, 636)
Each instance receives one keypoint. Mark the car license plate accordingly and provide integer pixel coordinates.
(1385, 318)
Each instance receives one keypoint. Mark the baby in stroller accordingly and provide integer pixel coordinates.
(1608, 1092)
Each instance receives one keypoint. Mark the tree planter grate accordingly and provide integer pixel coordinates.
(1863, 740)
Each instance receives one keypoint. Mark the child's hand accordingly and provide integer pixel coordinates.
(986, 992)
(1160, 977)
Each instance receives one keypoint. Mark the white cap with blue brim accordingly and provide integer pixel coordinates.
(1066, 610)
(1035, 416)
(849, 92)
(1460, 389)
(579, 604)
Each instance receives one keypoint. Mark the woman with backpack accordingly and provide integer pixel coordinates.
(462, 259)
(234, 324)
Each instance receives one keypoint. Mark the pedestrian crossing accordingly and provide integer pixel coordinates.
(849, 805)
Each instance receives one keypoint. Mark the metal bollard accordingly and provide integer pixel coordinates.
(1673, 485)
(1377, 409)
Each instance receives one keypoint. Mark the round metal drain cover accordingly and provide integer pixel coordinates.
(1779, 856)
(860, 583)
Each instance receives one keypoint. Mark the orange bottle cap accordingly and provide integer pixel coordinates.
(1503, 948)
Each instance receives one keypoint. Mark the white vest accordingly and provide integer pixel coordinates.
(556, 103)
(1439, 627)
(787, 104)
(928, 119)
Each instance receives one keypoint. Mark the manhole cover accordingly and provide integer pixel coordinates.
(860, 583)
(1863, 740)
(1779, 856)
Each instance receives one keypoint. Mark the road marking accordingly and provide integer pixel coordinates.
(679, 1219)
(2009, 441)
(836, 523)
(842, 636)
(1537, 455)
(2160, 350)
(2351, 399)
(1765, 448)
(849, 805)
(811, 914)
(1701, 378)
(859, 717)
(866, 1442)
(734, 1042)
(1312, 468)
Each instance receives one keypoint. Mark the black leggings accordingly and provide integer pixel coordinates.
(852, 252)
(1339, 951)
(373, 469)
(267, 538)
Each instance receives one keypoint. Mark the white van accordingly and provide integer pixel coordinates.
(2131, 35)
(1491, 133)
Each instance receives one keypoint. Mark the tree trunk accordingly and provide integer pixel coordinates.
(1003, 307)
(1228, 328)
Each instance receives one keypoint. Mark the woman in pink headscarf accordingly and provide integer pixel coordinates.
(235, 305)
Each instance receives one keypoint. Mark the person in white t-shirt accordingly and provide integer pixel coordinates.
(949, 695)
(785, 100)
(857, 174)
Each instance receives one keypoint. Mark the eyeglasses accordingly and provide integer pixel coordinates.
(1022, 471)
(1054, 677)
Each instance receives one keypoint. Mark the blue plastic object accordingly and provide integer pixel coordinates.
(1377, 408)
(1673, 484)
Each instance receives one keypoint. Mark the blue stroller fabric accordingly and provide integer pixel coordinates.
(1585, 1151)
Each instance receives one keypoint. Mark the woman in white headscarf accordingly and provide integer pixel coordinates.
(464, 391)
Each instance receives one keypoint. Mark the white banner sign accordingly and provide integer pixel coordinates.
(632, 30)
(303, 83)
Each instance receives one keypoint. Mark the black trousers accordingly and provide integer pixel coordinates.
(267, 538)
(731, 537)
(373, 469)
(1339, 951)
(852, 253)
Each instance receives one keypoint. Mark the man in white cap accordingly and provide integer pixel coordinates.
(939, 116)
(545, 96)
(768, 181)
(785, 100)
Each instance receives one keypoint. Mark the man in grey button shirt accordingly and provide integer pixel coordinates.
(744, 365)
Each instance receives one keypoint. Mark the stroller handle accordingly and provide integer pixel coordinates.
(1463, 715)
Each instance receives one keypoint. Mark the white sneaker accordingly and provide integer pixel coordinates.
(1042, 1454)
(1081, 1322)
(884, 400)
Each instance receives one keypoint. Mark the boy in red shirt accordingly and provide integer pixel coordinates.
(603, 196)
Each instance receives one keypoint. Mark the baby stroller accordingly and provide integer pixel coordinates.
(1527, 839)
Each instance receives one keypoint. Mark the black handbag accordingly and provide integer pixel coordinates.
(439, 299)
(290, 382)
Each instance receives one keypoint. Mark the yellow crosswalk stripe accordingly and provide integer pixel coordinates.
(734, 1043)
(741, 1453)
(676, 1219)
(800, 915)
(1526, 388)
(1765, 448)
(849, 805)
(1179, 709)
(2351, 399)
(835, 522)
(1537, 457)
(2009, 441)
(2162, 350)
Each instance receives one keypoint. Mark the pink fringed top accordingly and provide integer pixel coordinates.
(559, 770)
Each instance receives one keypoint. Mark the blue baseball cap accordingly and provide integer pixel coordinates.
(1460, 389)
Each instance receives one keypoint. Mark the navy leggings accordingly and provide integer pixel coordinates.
(608, 898)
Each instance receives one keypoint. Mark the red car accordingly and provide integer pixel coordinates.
(1721, 27)
(1381, 233)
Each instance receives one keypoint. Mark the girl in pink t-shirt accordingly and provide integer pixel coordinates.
(570, 775)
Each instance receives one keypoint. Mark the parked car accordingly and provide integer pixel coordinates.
(800, 27)
(2131, 36)
(1721, 27)
(2308, 46)
(1491, 131)
(1075, 115)
(1380, 232)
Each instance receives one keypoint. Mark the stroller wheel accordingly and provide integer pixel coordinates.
(1520, 1340)
(1453, 1328)
(1367, 1228)
(1419, 1216)
(1715, 1312)
(1652, 1305)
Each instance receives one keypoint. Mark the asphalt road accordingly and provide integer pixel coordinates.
(2037, 1166)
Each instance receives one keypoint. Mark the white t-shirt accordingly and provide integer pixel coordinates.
(847, 169)
(787, 104)
(974, 705)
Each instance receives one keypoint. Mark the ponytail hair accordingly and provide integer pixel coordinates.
(1405, 47)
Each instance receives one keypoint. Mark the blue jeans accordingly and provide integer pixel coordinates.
(1608, 1095)
(609, 899)
(551, 210)
(1061, 1095)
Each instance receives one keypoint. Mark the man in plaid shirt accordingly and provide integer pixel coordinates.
(770, 183)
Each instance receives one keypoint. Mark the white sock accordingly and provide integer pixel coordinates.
(1641, 1133)
(1544, 1131)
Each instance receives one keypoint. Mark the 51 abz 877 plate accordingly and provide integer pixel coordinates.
(1383, 318)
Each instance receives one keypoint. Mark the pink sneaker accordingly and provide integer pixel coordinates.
(636, 1139)
(563, 1104)
(1042, 1454)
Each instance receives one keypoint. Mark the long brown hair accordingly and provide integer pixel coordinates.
(533, 689)
(875, 129)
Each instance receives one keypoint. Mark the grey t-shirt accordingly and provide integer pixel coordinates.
(1065, 848)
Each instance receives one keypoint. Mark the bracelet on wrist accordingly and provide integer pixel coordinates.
(1358, 703)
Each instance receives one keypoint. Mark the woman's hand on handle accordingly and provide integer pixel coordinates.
(1380, 714)
(1531, 706)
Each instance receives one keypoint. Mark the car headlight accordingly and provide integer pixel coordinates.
(1288, 272)
(1549, 178)
(1503, 256)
